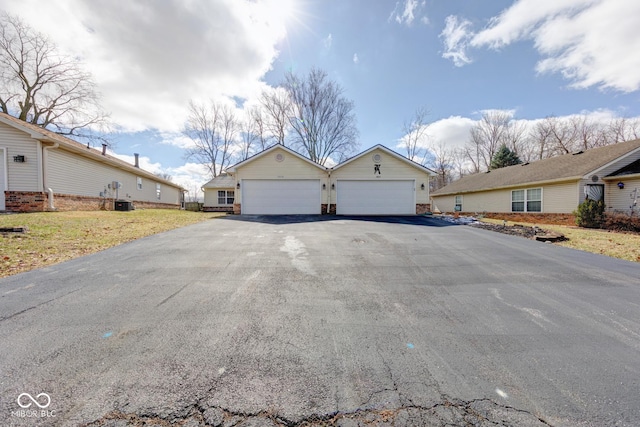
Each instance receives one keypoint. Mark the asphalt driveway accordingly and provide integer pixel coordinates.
(345, 321)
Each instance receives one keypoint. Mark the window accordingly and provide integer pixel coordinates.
(139, 183)
(158, 191)
(225, 197)
(517, 201)
(529, 200)
(458, 207)
(534, 200)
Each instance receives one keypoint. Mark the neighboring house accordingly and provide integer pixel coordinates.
(279, 181)
(219, 194)
(551, 186)
(43, 171)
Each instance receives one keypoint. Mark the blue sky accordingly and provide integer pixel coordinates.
(456, 58)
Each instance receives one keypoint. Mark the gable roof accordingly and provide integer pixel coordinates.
(221, 181)
(45, 135)
(391, 153)
(561, 168)
(630, 169)
(269, 150)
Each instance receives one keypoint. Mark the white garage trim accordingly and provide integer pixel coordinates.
(376, 197)
(3, 176)
(281, 196)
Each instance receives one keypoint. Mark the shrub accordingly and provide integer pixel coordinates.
(590, 214)
(621, 222)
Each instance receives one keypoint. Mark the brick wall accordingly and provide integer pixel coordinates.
(23, 201)
(423, 208)
(332, 210)
(218, 209)
(237, 209)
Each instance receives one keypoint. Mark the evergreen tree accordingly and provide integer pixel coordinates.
(504, 157)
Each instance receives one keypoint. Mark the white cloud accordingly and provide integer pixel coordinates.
(355, 58)
(144, 162)
(406, 12)
(456, 35)
(591, 43)
(150, 58)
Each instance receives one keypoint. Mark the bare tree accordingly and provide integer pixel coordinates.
(259, 119)
(165, 175)
(41, 86)
(323, 120)
(486, 137)
(278, 109)
(443, 164)
(623, 129)
(213, 130)
(416, 136)
(249, 136)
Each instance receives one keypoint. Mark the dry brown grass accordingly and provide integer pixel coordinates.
(54, 237)
(613, 244)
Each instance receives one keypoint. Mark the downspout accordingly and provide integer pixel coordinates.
(329, 193)
(45, 159)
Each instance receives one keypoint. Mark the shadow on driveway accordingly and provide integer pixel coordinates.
(296, 219)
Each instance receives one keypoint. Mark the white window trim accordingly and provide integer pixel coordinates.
(455, 202)
(158, 191)
(226, 197)
(526, 200)
(139, 183)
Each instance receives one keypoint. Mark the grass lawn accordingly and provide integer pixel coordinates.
(613, 244)
(54, 237)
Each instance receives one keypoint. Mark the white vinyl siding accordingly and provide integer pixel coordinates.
(375, 197)
(22, 176)
(621, 200)
(70, 173)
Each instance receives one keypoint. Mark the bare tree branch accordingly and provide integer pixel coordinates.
(213, 129)
(41, 86)
(322, 119)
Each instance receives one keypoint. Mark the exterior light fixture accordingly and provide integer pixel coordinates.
(324, 186)
(621, 185)
(238, 186)
(333, 186)
(422, 186)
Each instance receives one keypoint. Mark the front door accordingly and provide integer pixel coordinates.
(595, 192)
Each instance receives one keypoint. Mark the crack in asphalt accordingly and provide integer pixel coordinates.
(448, 412)
(36, 306)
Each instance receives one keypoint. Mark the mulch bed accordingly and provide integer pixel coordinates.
(535, 233)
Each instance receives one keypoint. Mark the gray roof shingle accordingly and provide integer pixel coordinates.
(221, 181)
(553, 169)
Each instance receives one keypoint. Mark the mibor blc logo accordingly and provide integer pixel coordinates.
(34, 407)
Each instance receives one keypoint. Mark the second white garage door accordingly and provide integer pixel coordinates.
(376, 197)
(281, 197)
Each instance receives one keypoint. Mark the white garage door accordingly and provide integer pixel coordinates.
(375, 197)
(280, 197)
